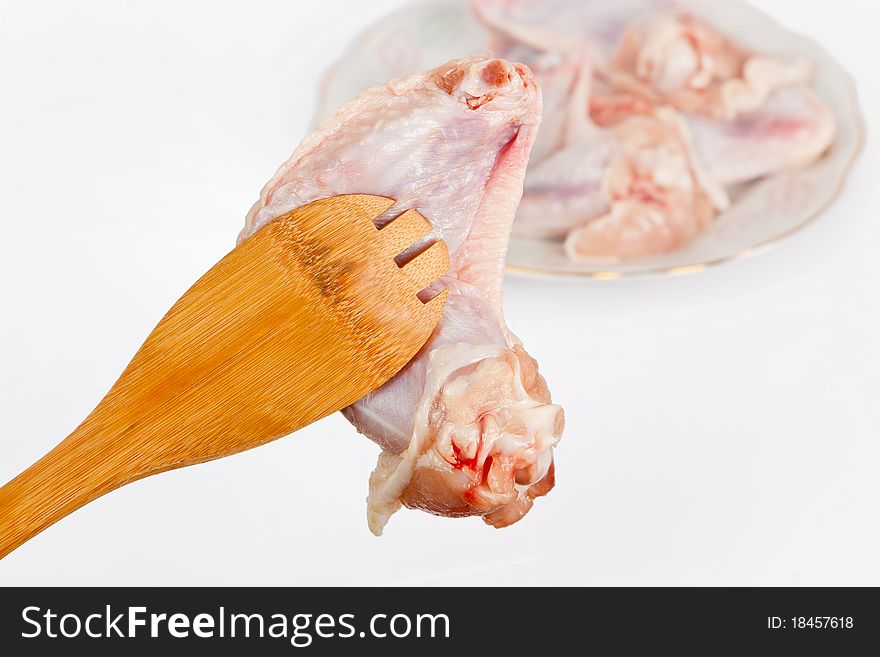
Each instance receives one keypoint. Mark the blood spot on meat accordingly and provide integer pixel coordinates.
(495, 73)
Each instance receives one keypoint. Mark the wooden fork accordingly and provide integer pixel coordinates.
(302, 319)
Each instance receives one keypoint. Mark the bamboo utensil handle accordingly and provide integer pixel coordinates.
(303, 319)
(71, 475)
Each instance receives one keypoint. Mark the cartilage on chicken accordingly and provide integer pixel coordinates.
(468, 427)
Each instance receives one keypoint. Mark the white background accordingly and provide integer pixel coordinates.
(723, 427)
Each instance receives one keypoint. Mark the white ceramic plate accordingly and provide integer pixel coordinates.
(426, 34)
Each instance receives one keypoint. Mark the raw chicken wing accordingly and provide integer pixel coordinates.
(467, 428)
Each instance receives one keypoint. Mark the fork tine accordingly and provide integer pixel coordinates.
(428, 266)
(403, 232)
(435, 306)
